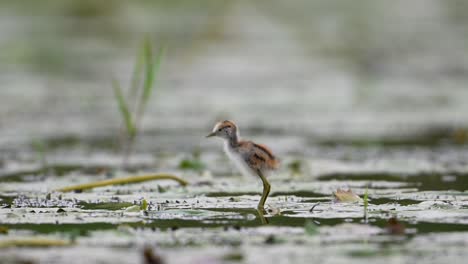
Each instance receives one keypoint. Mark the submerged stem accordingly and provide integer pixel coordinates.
(126, 180)
(34, 242)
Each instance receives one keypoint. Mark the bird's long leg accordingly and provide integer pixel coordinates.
(266, 191)
(261, 215)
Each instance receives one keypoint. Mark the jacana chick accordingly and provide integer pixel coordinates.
(250, 158)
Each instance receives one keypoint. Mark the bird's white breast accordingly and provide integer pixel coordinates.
(238, 160)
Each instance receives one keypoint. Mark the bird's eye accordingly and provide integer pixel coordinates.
(219, 130)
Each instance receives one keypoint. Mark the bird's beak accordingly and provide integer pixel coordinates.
(212, 134)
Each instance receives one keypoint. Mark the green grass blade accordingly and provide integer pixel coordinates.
(144, 205)
(366, 203)
(151, 71)
(136, 75)
(124, 110)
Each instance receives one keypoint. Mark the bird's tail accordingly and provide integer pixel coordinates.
(275, 163)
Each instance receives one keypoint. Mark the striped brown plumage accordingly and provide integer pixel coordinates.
(251, 158)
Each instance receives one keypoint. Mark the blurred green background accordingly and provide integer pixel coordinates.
(369, 95)
(321, 69)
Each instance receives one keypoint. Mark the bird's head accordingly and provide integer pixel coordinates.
(225, 129)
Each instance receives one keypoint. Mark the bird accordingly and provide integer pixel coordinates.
(249, 157)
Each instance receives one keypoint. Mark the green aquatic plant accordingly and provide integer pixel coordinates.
(124, 110)
(144, 205)
(132, 108)
(191, 164)
(34, 242)
(295, 167)
(126, 180)
(194, 163)
(41, 150)
(366, 203)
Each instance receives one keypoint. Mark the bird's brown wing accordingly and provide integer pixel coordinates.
(258, 156)
(271, 162)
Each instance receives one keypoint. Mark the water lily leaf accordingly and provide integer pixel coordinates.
(134, 208)
(347, 196)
